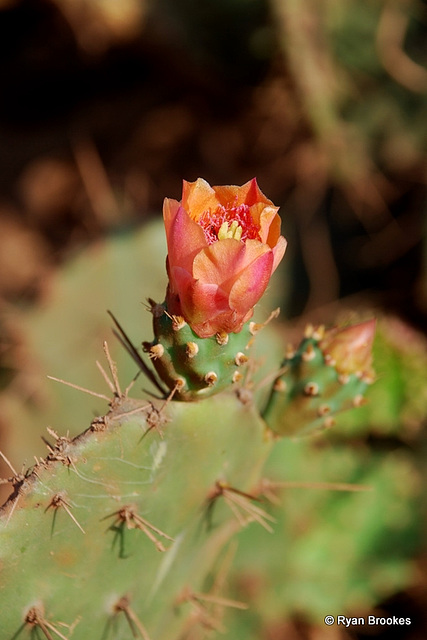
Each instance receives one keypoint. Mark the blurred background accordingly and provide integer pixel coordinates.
(106, 105)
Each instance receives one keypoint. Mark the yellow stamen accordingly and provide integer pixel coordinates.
(227, 230)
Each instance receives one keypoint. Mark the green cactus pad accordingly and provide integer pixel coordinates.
(81, 536)
(310, 391)
(196, 367)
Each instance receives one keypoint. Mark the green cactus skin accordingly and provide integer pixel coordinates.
(195, 367)
(309, 391)
(80, 537)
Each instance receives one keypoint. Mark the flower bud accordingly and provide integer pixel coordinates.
(224, 243)
(350, 349)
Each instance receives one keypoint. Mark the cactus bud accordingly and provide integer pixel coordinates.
(224, 243)
(350, 349)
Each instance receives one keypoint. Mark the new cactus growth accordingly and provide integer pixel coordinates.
(124, 529)
(195, 367)
(328, 373)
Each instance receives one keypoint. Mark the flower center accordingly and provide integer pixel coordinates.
(229, 222)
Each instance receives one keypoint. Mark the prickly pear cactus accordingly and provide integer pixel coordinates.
(328, 373)
(116, 531)
(127, 528)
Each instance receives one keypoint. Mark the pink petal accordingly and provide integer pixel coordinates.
(251, 283)
(222, 262)
(185, 237)
(279, 252)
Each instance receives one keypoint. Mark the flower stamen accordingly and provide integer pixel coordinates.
(229, 222)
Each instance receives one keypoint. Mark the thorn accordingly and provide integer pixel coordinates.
(240, 359)
(131, 349)
(113, 369)
(254, 327)
(268, 487)
(57, 502)
(222, 338)
(290, 351)
(156, 351)
(127, 516)
(237, 376)
(191, 349)
(9, 464)
(311, 389)
(239, 502)
(318, 332)
(105, 376)
(280, 385)
(75, 386)
(123, 605)
(244, 395)
(210, 378)
(308, 331)
(344, 378)
(178, 322)
(328, 422)
(35, 618)
(359, 400)
(309, 353)
(323, 410)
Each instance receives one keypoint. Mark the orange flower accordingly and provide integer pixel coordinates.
(223, 245)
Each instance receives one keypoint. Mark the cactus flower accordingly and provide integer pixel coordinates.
(224, 243)
(350, 349)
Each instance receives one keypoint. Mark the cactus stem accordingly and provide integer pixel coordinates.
(59, 501)
(123, 605)
(128, 516)
(35, 618)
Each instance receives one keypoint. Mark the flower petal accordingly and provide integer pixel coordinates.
(249, 194)
(198, 197)
(222, 262)
(185, 238)
(279, 252)
(251, 283)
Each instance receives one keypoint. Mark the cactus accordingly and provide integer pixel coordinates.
(125, 529)
(328, 373)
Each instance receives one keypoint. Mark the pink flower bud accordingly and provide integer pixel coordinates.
(350, 349)
(224, 243)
